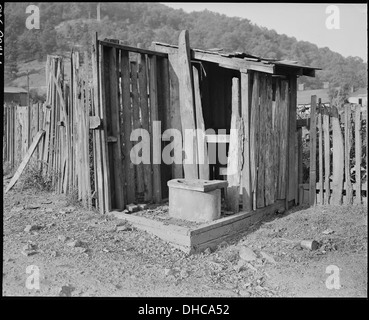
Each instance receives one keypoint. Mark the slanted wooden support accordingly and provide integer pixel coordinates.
(235, 151)
(327, 162)
(312, 182)
(187, 104)
(200, 125)
(156, 154)
(349, 191)
(358, 153)
(338, 159)
(25, 161)
(245, 114)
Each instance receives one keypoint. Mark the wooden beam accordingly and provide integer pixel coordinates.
(254, 136)
(130, 49)
(234, 165)
(312, 183)
(200, 125)
(25, 160)
(260, 189)
(156, 157)
(129, 170)
(187, 103)
(292, 165)
(245, 113)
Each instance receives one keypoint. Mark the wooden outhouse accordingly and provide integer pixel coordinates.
(212, 91)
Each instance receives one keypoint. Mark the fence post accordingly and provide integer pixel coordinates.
(312, 197)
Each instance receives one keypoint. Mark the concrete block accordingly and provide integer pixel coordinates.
(195, 200)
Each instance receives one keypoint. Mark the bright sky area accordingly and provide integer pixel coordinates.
(306, 21)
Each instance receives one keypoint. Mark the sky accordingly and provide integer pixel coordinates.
(343, 29)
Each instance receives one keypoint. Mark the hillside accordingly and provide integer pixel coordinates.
(70, 25)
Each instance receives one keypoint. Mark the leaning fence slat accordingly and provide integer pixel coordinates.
(313, 151)
(254, 137)
(338, 157)
(358, 153)
(25, 161)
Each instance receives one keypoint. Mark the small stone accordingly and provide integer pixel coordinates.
(105, 250)
(80, 249)
(62, 238)
(48, 210)
(62, 211)
(120, 223)
(75, 243)
(54, 254)
(142, 206)
(30, 228)
(17, 209)
(33, 206)
(328, 231)
(244, 293)
(223, 245)
(70, 209)
(207, 251)
(267, 257)
(124, 228)
(46, 202)
(247, 254)
(132, 207)
(66, 291)
(29, 252)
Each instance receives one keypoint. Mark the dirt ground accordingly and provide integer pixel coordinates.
(80, 253)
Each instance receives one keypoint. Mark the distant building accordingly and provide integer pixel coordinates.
(15, 95)
(359, 96)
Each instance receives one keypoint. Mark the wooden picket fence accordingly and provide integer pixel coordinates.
(65, 154)
(338, 154)
(20, 125)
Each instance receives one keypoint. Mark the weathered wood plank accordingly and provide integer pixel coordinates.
(25, 160)
(358, 153)
(247, 204)
(129, 170)
(113, 127)
(349, 191)
(327, 159)
(292, 172)
(234, 154)
(104, 132)
(320, 198)
(145, 122)
(156, 154)
(260, 197)
(312, 183)
(187, 103)
(338, 159)
(137, 125)
(300, 167)
(269, 144)
(200, 133)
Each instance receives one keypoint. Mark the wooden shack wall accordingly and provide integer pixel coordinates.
(268, 112)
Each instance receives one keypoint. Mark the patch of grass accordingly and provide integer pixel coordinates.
(72, 198)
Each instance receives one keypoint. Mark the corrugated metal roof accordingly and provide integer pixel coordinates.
(14, 90)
